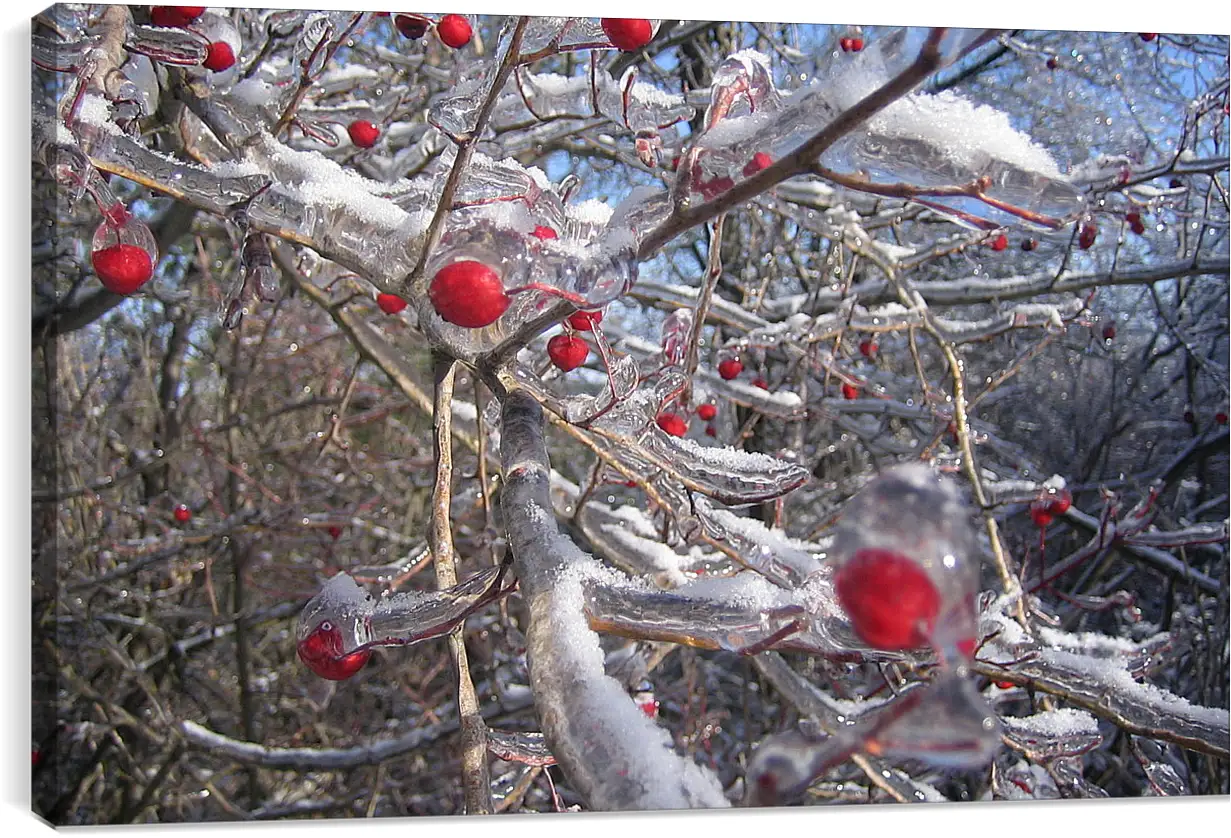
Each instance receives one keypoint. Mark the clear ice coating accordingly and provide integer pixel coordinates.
(906, 541)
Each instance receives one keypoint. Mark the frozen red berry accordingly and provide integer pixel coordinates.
(544, 233)
(849, 391)
(1005, 685)
(567, 352)
(1135, 223)
(182, 514)
(390, 303)
(218, 57)
(868, 347)
(413, 28)
(1060, 502)
(1109, 332)
(1040, 513)
(584, 321)
(730, 368)
(1148, 36)
(1176, 183)
(122, 268)
(856, 44)
(759, 161)
(1000, 242)
(891, 602)
(469, 294)
(1087, 235)
(1052, 63)
(322, 652)
(363, 133)
(178, 16)
(707, 411)
(335, 532)
(454, 31)
(710, 430)
(672, 424)
(1029, 245)
(760, 383)
(627, 33)
(1220, 417)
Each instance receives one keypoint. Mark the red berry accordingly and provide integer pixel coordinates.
(1190, 417)
(759, 161)
(182, 514)
(868, 347)
(1109, 332)
(583, 321)
(1089, 232)
(849, 391)
(334, 531)
(710, 430)
(390, 303)
(730, 368)
(707, 411)
(413, 28)
(1220, 418)
(218, 57)
(890, 599)
(1029, 245)
(856, 44)
(1000, 242)
(1005, 685)
(469, 294)
(672, 424)
(544, 233)
(454, 31)
(122, 268)
(1176, 183)
(1060, 502)
(1052, 63)
(1040, 513)
(1148, 36)
(1135, 223)
(363, 133)
(567, 352)
(760, 382)
(648, 705)
(627, 33)
(175, 15)
(845, 44)
(36, 756)
(322, 652)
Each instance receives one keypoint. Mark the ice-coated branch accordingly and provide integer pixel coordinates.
(614, 756)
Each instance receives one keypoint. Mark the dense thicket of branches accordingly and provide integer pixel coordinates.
(195, 485)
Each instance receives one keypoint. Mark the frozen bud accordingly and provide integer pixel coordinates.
(907, 569)
(676, 329)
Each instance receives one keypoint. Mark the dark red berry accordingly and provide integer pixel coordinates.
(1148, 36)
(175, 15)
(567, 352)
(454, 31)
(390, 303)
(890, 600)
(730, 368)
(760, 382)
(413, 28)
(218, 57)
(1000, 242)
(672, 424)
(1109, 332)
(122, 268)
(1190, 417)
(1176, 183)
(849, 391)
(759, 161)
(627, 33)
(1220, 417)
(182, 514)
(584, 321)
(335, 532)
(469, 294)
(1029, 245)
(707, 411)
(1052, 63)
(363, 133)
(1135, 223)
(1089, 232)
(868, 347)
(543, 233)
(322, 652)
(710, 430)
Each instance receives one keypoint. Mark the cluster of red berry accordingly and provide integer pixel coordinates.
(219, 55)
